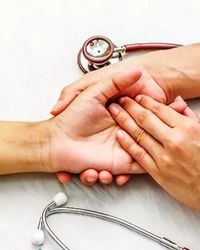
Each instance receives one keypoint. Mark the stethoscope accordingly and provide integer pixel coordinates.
(55, 208)
(100, 51)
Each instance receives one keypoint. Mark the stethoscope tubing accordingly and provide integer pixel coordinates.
(51, 210)
(149, 46)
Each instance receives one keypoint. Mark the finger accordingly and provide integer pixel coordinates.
(63, 177)
(126, 122)
(112, 85)
(179, 105)
(143, 159)
(146, 119)
(70, 92)
(166, 114)
(89, 177)
(63, 103)
(105, 177)
(191, 114)
(122, 179)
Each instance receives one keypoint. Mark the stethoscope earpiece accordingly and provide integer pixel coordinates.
(60, 199)
(99, 51)
(38, 237)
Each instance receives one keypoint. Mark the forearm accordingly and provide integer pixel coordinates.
(177, 71)
(23, 147)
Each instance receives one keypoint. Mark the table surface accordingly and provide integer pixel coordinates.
(39, 41)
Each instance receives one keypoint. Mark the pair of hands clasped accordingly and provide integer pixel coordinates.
(134, 136)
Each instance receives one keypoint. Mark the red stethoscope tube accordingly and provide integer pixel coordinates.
(99, 51)
(149, 46)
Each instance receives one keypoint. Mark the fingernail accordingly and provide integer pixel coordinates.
(56, 105)
(122, 100)
(91, 179)
(114, 109)
(104, 181)
(120, 134)
(138, 98)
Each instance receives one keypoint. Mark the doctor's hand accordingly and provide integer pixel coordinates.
(165, 143)
(83, 136)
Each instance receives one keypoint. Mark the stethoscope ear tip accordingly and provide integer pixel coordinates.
(60, 199)
(38, 237)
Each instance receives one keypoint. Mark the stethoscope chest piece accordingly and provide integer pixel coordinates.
(97, 52)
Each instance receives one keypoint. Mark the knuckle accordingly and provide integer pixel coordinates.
(139, 154)
(143, 116)
(176, 144)
(99, 97)
(158, 108)
(129, 147)
(123, 120)
(142, 100)
(139, 135)
(165, 160)
(191, 127)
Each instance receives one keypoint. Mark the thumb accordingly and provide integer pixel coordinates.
(181, 107)
(70, 92)
(112, 85)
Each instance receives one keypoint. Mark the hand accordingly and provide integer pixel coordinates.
(166, 144)
(84, 135)
(146, 85)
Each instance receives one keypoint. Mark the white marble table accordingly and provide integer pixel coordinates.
(39, 41)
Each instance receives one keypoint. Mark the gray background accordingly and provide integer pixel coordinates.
(39, 41)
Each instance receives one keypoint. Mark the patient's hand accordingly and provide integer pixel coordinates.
(83, 136)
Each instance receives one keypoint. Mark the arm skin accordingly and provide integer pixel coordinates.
(22, 147)
(175, 71)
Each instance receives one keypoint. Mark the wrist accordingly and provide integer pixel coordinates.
(166, 78)
(164, 75)
(175, 70)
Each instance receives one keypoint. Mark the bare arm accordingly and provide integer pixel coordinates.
(177, 71)
(22, 147)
